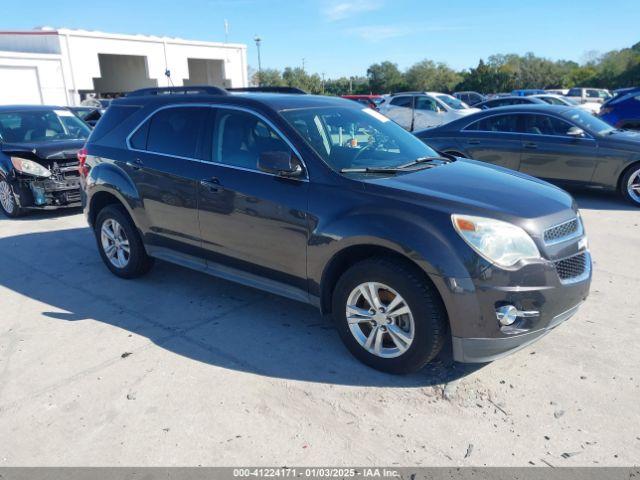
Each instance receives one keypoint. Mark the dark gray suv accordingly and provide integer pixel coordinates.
(325, 201)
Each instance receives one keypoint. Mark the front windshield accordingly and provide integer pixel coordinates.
(452, 102)
(356, 138)
(588, 122)
(30, 126)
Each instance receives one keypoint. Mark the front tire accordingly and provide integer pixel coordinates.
(119, 243)
(389, 316)
(630, 185)
(8, 202)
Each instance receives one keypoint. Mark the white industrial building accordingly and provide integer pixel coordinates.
(62, 67)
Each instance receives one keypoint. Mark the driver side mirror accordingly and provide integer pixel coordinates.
(282, 164)
(576, 132)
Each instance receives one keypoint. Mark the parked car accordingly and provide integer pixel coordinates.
(557, 91)
(38, 162)
(506, 101)
(321, 200)
(591, 107)
(417, 110)
(470, 98)
(370, 101)
(525, 92)
(585, 95)
(90, 115)
(624, 91)
(623, 111)
(565, 145)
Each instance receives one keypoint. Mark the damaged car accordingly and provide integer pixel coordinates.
(38, 158)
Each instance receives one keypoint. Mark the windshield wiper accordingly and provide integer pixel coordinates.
(370, 170)
(420, 160)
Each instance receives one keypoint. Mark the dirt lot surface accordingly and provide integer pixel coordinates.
(179, 368)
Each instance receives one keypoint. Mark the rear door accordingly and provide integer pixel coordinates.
(165, 163)
(400, 110)
(494, 139)
(250, 220)
(548, 152)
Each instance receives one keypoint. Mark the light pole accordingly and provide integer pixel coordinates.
(258, 40)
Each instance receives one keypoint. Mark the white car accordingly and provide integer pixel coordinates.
(420, 110)
(590, 107)
(585, 95)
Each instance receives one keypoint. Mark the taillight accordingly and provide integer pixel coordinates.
(82, 159)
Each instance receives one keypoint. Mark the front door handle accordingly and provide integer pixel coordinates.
(530, 145)
(135, 164)
(211, 184)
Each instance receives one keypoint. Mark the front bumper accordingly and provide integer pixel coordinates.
(471, 303)
(48, 193)
(481, 350)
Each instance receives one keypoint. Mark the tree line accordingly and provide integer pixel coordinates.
(498, 73)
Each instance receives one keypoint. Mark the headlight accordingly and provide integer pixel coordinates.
(501, 243)
(29, 167)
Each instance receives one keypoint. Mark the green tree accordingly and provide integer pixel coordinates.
(429, 76)
(385, 77)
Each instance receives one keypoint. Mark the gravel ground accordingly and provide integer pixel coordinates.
(179, 368)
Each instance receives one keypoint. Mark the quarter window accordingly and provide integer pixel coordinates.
(176, 131)
(498, 123)
(240, 137)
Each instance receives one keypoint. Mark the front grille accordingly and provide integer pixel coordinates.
(561, 232)
(571, 267)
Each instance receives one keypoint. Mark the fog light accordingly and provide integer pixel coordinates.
(507, 314)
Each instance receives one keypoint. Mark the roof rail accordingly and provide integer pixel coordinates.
(405, 93)
(267, 89)
(191, 90)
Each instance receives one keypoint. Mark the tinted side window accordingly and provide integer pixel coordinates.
(545, 125)
(402, 101)
(426, 103)
(575, 92)
(176, 131)
(240, 137)
(498, 123)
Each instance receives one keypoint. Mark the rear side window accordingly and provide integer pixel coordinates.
(177, 131)
(112, 117)
(498, 123)
(402, 102)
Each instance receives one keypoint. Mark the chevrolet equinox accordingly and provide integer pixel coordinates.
(325, 201)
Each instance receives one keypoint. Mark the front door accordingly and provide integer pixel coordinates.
(427, 113)
(250, 220)
(165, 164)
(548, 152)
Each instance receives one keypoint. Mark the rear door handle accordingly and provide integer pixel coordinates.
(530, 145)
(211, 184)
(135, 164)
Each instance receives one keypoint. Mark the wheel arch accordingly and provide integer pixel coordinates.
(634, 164)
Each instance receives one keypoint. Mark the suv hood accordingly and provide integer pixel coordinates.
(468, 186)
(45, 153)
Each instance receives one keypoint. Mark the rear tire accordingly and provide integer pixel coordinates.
(409, 340)
(630, 185)
(8, 201)
(119, 243)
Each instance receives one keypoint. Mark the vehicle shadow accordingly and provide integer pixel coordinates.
(194, 315)
(593, 199)
(42, 214)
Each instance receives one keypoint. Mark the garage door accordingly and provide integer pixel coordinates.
(19, 85)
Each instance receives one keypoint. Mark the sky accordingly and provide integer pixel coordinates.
(344, 37)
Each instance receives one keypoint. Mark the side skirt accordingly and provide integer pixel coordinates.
(232, 274)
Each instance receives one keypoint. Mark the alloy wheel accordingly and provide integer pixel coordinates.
(380, 320)
(633, 186)
(6, 197)
(115, 243)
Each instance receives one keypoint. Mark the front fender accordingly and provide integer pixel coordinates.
(428, 241)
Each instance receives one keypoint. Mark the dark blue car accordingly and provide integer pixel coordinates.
(623, 111)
